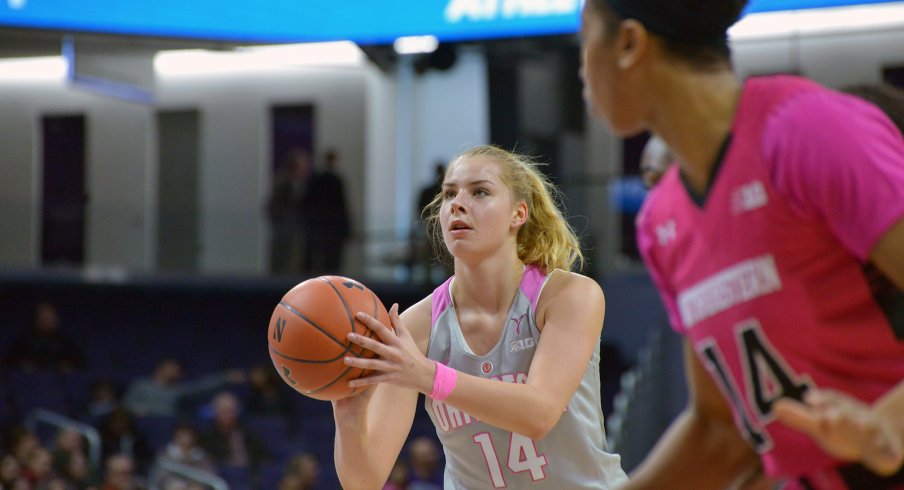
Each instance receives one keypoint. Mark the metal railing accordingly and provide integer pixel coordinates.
(190, 473)
(90, 434)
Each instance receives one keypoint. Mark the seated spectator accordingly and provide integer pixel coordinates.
(38, 468)
(75, 471)
(120, 474)
(268, 395)
(302, 473)
(10, 472)
(104, 398)
(68, 441)
(161, 393)
(426, 468)
(120, 435)
(43, 345)
(229, 442)
(398, 476)
(185, 449)
(21, 443)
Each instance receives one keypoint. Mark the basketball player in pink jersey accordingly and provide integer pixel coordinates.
(506, 351)
(785, 193)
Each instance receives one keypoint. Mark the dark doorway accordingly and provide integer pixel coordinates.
(293, 128)
(292, 143)
(178, 242)
(63, 193)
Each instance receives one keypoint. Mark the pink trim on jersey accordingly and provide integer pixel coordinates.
(810, 146)
(441, 299)
(532, 283)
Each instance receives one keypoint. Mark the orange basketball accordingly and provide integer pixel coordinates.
(307, 335)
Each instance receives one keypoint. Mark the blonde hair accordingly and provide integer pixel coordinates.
(545, 239)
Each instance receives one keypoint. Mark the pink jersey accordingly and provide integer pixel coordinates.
(766, 277)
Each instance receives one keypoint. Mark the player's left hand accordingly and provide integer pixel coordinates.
(400, 361)
(846, 428)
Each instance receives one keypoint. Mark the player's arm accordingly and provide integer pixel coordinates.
(570, 312)
(888, 257)
(888, 254)
(372, 427)
(702, 449)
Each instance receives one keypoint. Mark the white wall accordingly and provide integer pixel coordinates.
(833, 59)
(390, 129)
(355, 112)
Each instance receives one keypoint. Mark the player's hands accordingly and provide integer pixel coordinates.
(846, 428)
(400, 361)
(352, 411)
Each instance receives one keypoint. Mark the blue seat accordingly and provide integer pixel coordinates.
(236, 477)
(270, 474)
(37, 389)
(157, 429)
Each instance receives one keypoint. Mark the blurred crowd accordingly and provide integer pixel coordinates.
(164, 430)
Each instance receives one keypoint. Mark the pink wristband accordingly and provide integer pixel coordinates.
(443, 382)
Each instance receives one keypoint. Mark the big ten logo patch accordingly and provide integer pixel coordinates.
(521, 344)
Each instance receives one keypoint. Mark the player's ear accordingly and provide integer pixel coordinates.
(520, 214)
(632, 43)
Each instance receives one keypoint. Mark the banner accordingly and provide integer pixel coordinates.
(362, 21)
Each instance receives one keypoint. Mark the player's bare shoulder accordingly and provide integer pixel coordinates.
(567, 291)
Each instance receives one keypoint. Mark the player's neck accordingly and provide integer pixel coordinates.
(695, 118)
(487, 286)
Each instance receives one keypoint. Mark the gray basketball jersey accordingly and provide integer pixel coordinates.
(479, 456)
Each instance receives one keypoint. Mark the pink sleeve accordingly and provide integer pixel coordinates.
(840, 160)
(645, 243)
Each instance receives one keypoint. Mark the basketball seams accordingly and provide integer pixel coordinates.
(348, 312)
(313, 324)
(328, 389)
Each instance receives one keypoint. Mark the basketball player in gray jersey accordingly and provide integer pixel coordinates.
(506, 351)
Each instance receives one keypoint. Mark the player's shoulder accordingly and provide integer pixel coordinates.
(798, 104)
(660, 198)
(568, 288)
(420, 311)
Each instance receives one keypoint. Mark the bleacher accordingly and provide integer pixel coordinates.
(126, 326)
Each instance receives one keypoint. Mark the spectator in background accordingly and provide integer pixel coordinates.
(184, 449)
(68, 441)
(425, 253)
(162, 393)
(38, 467)
(21, 442)
(398, 476)
(43, 345)
(325, 217)
(229, 442)
(654, 161)
(10, 472)
(104, 398)
(426, 469)
(284, 208)
(302, 473)
(268, 396)
(76, 472)
(120, 474)
(120, 435)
